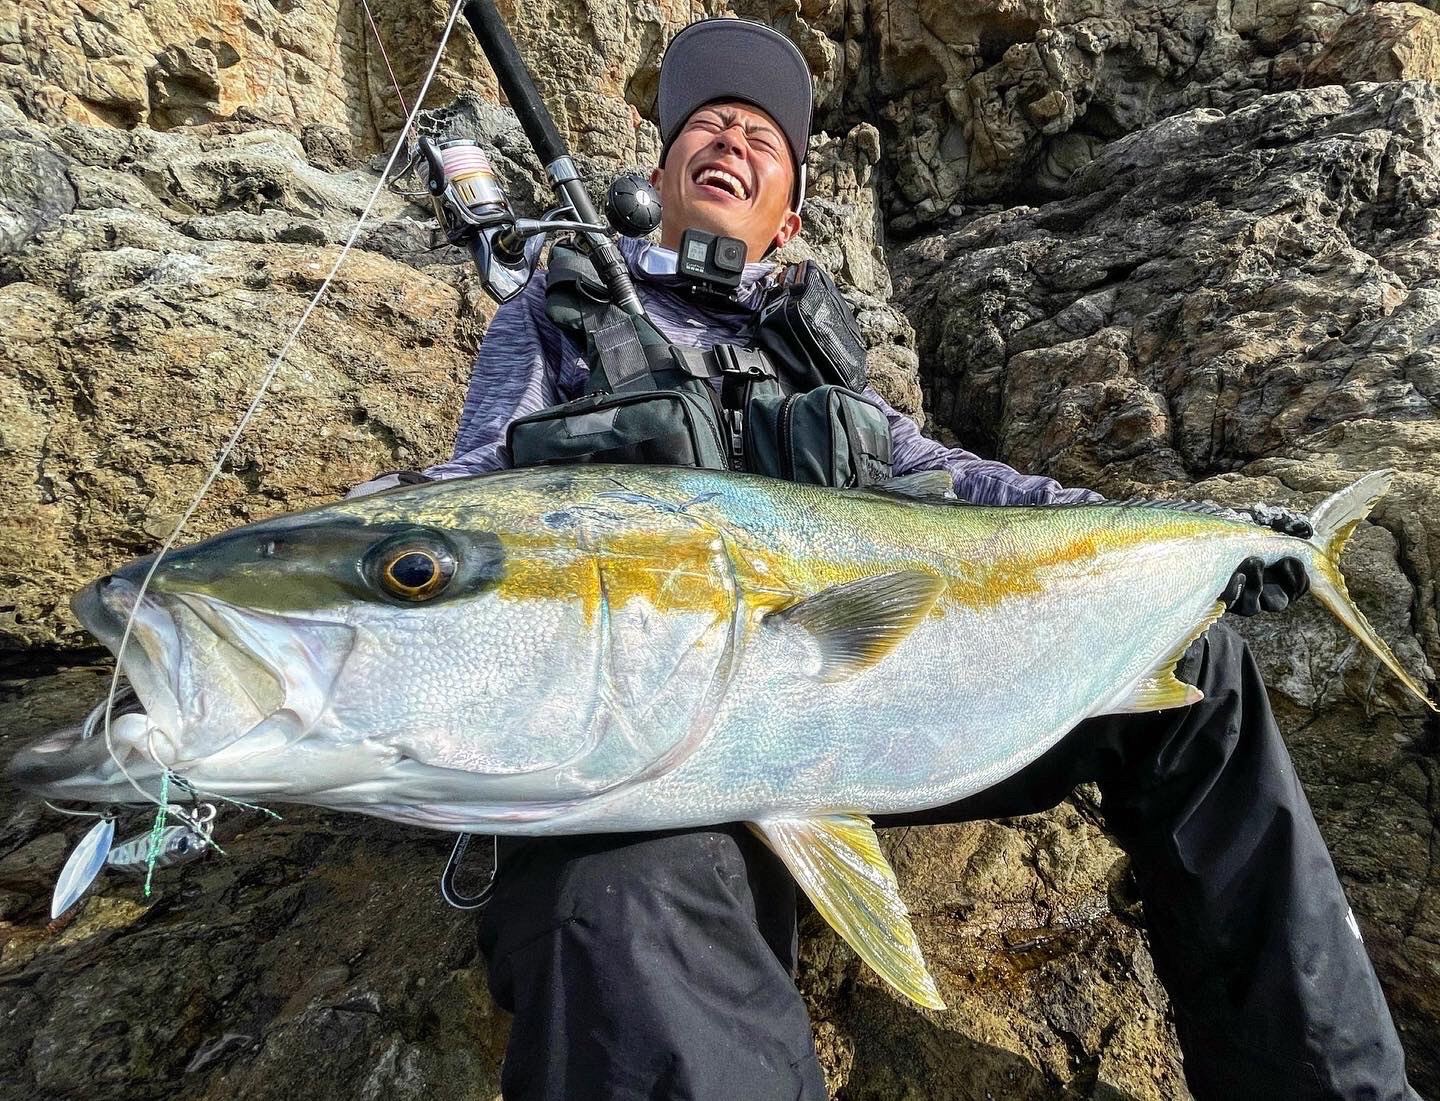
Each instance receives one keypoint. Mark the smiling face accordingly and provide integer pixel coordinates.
(729, 172)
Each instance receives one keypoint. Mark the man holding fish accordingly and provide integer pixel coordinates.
(659, 964)
(630, 637)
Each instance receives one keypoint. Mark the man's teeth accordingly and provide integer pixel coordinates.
(718, 177)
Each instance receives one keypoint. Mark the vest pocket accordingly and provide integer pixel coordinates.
(827, 436)
(653, 427)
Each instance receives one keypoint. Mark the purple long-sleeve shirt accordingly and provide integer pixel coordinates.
(527, 362)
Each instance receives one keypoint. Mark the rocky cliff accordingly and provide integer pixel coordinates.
(1171, 248)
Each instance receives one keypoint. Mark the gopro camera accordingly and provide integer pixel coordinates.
(712, 261)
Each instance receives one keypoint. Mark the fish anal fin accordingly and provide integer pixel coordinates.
(857, 623)
(837, 861)
(1157, 693)
(1162, 689)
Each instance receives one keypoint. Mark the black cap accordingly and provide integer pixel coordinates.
(737, 59)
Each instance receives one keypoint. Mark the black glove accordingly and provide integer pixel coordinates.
(1257, 587)
(1284, 520)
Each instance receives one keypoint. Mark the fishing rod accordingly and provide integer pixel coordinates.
(472, 207)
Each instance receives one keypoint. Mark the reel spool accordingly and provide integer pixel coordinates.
(472, 208)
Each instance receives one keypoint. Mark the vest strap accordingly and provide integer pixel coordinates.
(627, 367)
(724, 361)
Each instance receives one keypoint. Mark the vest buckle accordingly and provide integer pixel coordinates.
(739, 362)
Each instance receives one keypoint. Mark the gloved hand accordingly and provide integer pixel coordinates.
(388, 481)
(1257, 587)
(1285, 521)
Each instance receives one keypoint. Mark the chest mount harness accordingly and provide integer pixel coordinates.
(786, 404)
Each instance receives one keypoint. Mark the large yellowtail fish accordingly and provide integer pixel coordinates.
(588, 649)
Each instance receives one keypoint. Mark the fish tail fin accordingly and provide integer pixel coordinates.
(1333, 521)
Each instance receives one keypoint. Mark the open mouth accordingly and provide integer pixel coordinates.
(216, 685)
(717, 180)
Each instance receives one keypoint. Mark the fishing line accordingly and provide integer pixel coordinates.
(414, 161)
(192, 820)
(374, 30)
(198, 826)
(78, 813)
(198, 791)
(245, 419)
(157, 829)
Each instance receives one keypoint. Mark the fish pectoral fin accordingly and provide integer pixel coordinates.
(1162, 689)
(922, 485)
(857, 623)
(837, 861)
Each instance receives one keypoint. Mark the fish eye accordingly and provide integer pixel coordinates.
(413, 570)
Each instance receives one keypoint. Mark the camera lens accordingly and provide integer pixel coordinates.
(730, 254)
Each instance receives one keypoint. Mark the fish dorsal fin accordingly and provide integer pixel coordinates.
(857, 623)
(925, 485)
(837, 861)
(1202, 508)
(1162, 689)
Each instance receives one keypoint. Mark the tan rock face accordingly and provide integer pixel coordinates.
(138, 324)
(230, 66)
(1379, 43)
(216, 63)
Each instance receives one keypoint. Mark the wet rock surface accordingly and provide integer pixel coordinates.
(1117, 244)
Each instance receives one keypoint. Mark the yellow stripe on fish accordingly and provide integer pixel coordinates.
(581, 650)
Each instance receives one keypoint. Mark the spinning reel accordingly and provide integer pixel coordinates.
(475, 213)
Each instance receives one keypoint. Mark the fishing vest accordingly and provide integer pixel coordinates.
(786, 406)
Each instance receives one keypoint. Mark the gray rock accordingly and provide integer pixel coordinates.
(35, 190)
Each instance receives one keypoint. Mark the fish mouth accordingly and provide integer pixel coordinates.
(216, 685)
